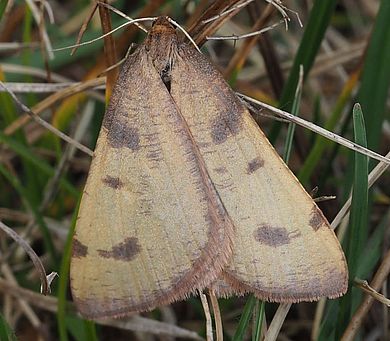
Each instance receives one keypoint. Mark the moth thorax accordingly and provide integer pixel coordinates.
(161, 46)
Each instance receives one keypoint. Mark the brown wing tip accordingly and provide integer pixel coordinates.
(94, 309)
(335, 287)
(278, 297)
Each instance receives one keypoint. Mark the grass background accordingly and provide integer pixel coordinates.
(344, 49)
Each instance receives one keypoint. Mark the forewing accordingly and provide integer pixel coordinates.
(151, 228)
(284, 249)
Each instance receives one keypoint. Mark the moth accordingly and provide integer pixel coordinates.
(185, 193)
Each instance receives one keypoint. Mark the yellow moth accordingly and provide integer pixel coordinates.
(185, 192)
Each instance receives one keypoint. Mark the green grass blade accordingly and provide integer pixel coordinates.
(321, 143)
(357, 231)
(375, 80)
(3, 5)
(64, 279)
(367, 263)
(40, 165)
(258, 323)
(315, 28)
(25, 195)
(63, 320)
(6, 333)
(291, 126)
(369, 260)
(8, 112)
(244, 320)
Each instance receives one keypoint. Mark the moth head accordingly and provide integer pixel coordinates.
(161, 45)
(161, 35)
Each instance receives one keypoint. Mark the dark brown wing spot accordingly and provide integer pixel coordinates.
(317, 219)
(254, 165)
(271, 236)
(113, 182)
(228, 123)
(220, 170)
(79, 250)
(125, 251)
(120, 135)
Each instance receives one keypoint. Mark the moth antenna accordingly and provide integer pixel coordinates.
(233, 8)
(319, 130)
(106, 34)
(174, 23)
(247, 35)
(47, 125)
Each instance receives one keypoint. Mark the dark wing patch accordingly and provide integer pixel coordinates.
(79, 249)
(220, 170)
(125, 251)
(317, 219)
(121, 135)
(272, 235)
(254, 165)
(228, 123)
(113, 182)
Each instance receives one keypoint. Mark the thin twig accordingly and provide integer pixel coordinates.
(106, 34)
(84, 26)
(231, 9)
(123, 15)
(41, 88)
(277, 322)
(134, 323)
(362, 284)
(283, 11)
(323, 132)
(379, 169)
(5, 47)
(52, 184)
(217, 316)
(357, 319)
(324, 198)
(35, 12)
(320, 308)
(206, 309)
(31, 253)
(48, 126)
(23, 304)
(50, 100)
(247, 35)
